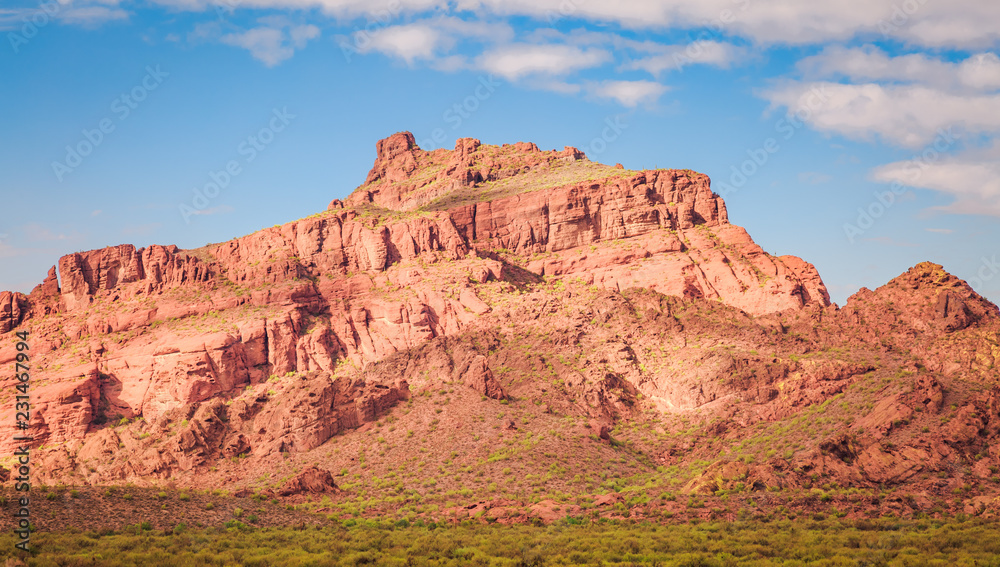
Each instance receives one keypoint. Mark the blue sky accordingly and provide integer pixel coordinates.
(858, 135)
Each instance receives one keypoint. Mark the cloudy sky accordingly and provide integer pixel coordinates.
(860, 135)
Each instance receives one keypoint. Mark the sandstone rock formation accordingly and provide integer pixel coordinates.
(313, 480)
(12, 310)
(565, 299)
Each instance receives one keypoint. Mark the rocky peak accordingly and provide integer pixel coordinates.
(925, 297)
(405, 177)
(49, 286)
(395, 158)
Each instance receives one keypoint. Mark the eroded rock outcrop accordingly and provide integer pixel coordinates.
(86, 274)
(513, 276)
(293, 415)
(13, 308)
(312, 480)
(924, 300)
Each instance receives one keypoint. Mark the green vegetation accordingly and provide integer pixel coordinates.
(567, 542)
(557, 174)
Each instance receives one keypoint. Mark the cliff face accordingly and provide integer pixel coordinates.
(310, 293)
(12, 310)
(319, 280)
(558, 212)
(425, 276)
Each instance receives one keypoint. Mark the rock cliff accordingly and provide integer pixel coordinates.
(507, 277)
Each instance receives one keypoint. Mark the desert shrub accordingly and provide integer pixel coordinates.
(573, 541)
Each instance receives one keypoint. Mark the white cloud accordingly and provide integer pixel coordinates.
(86, 13)
(978, 72)
(628, 93)
(909, 116)
(964, 24)
(676, 57)
(272, 45)
(957, 23)
(975, 184)
(541, 63)
(968, 24)
(338, 8)
(265, 44)
(943, 109)
(406, 42)
(981, 71)
(92, 16)
(516, 61)
(302, 34)
(429, 39)
(483, 31)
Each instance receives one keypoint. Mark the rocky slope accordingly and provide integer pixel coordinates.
(464, 311)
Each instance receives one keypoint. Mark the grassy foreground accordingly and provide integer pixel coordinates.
(956, 542)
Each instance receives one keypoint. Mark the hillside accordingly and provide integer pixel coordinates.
(505, 332)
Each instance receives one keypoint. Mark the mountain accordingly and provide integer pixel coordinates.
(513, 332)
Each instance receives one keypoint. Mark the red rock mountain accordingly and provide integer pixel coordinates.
(586, 305)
